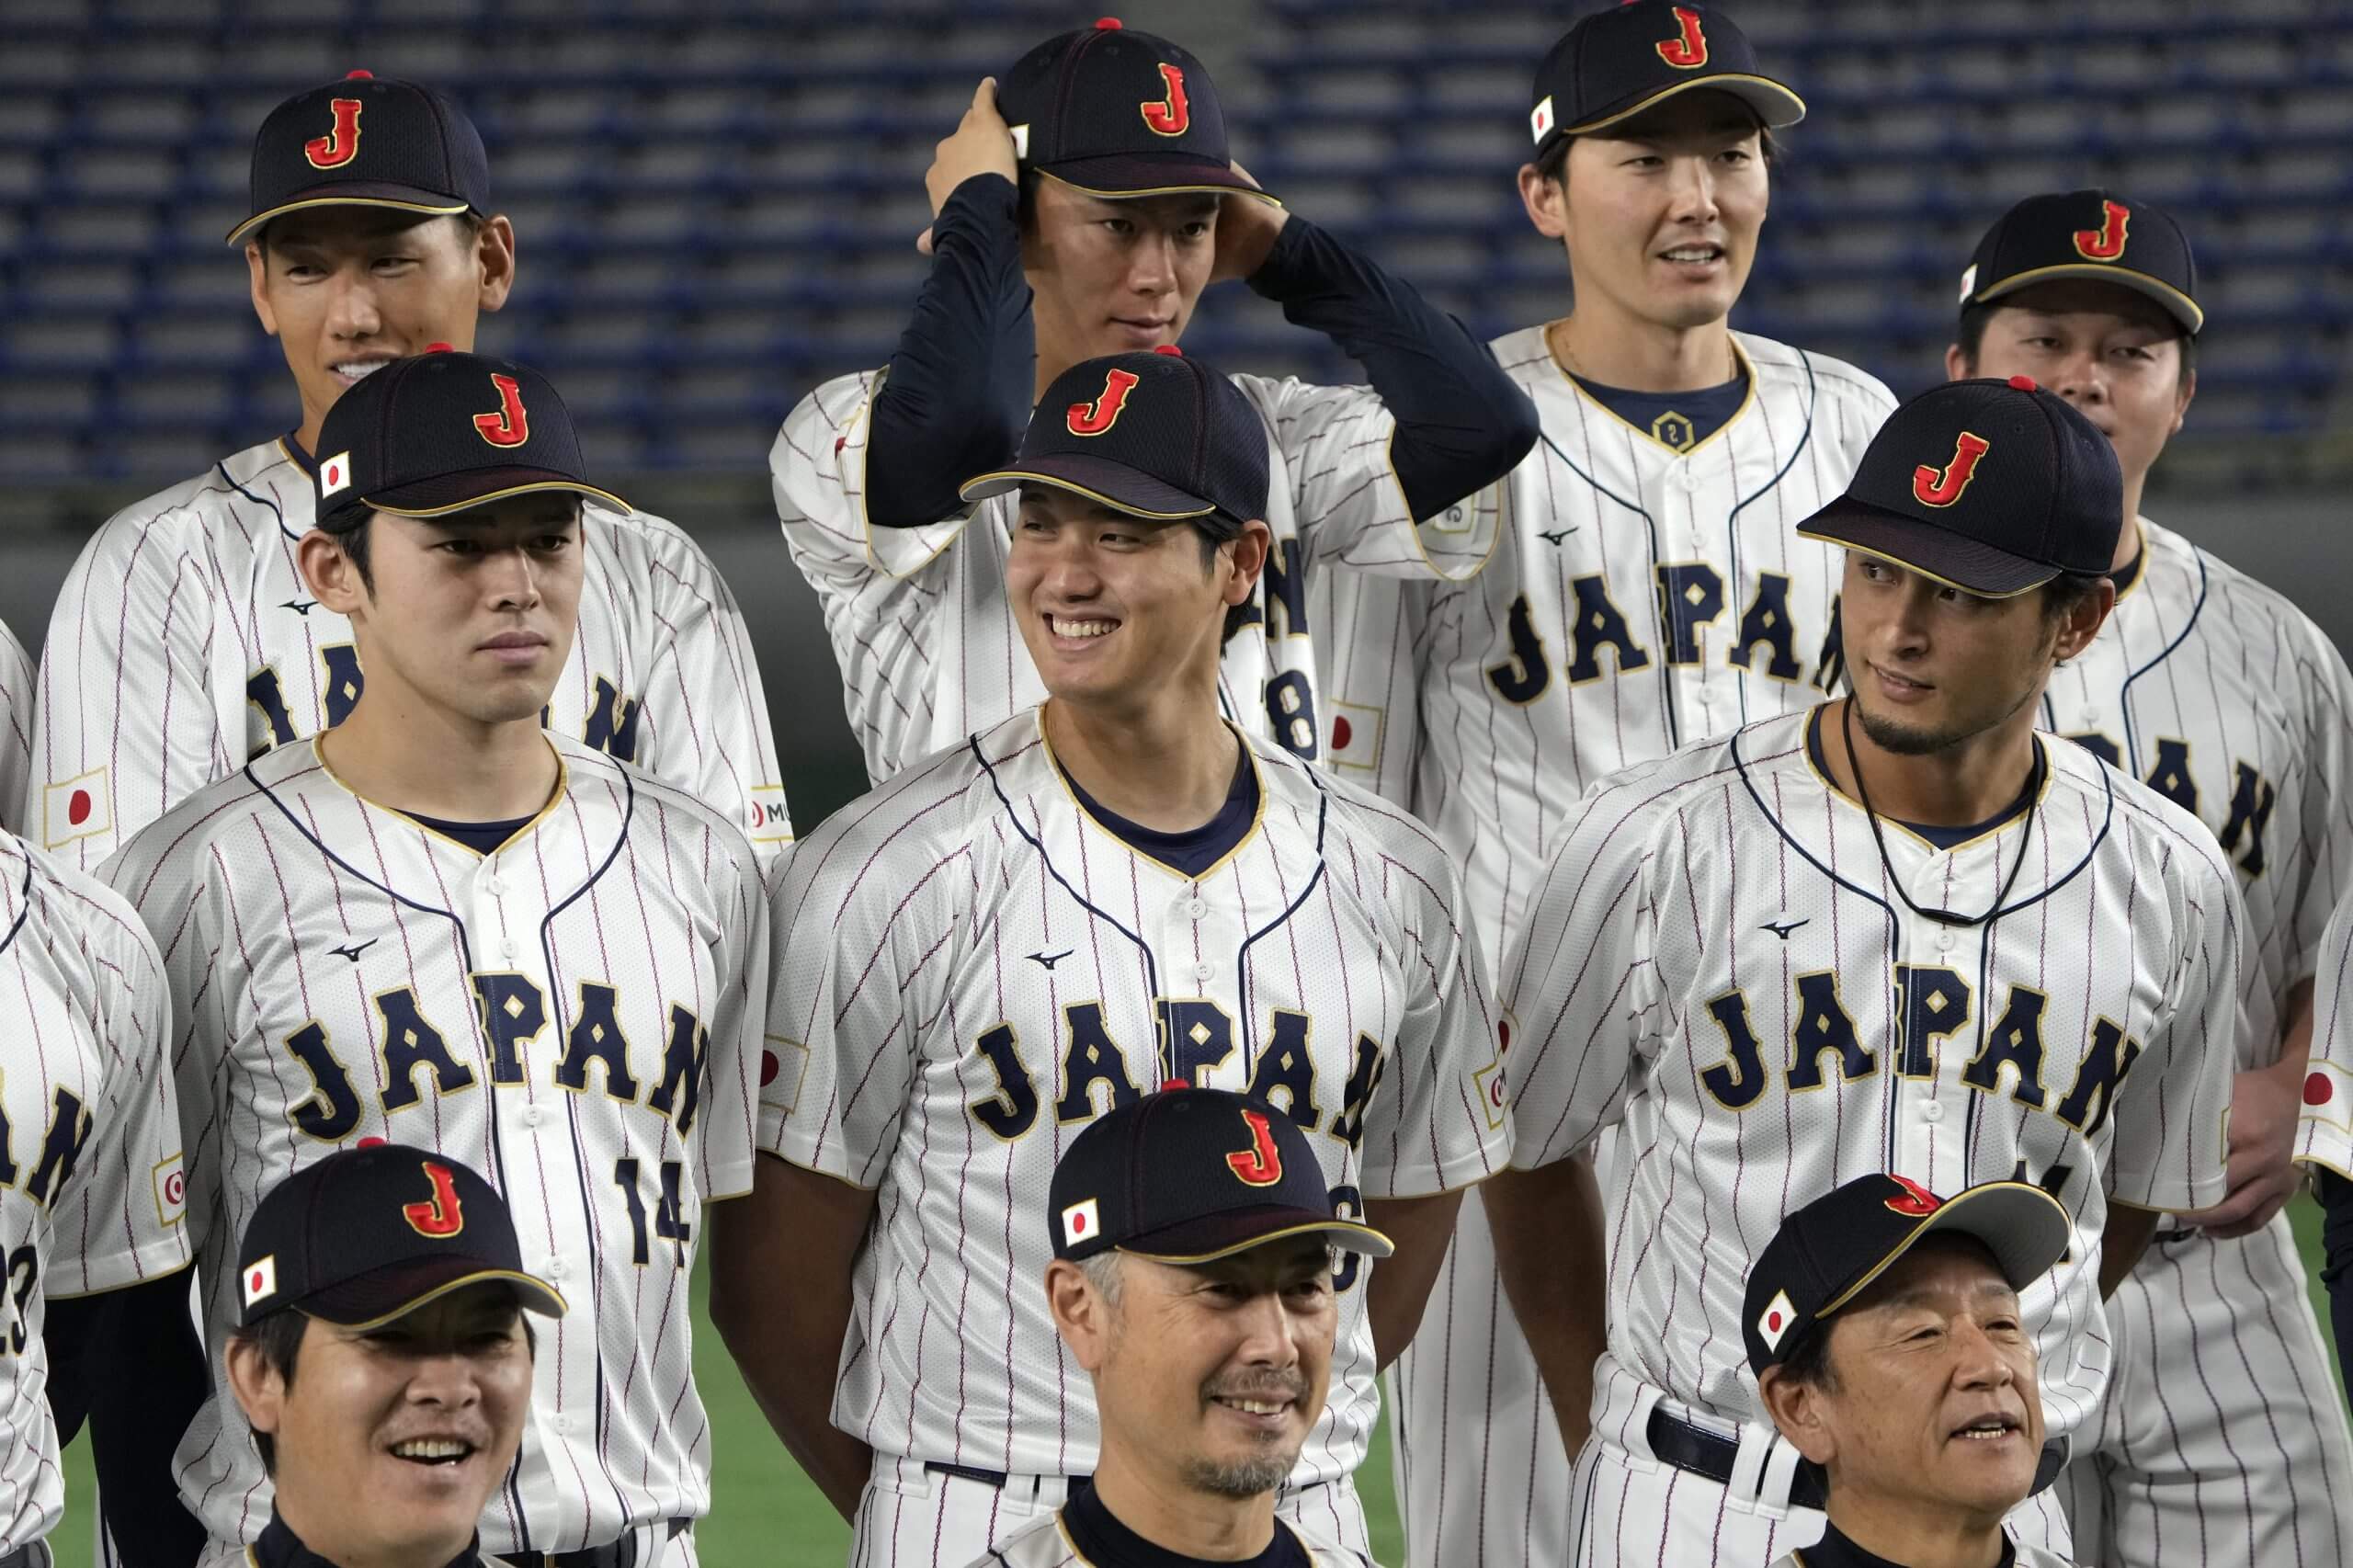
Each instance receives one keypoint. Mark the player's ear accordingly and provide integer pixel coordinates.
(494, 260)
(1249, 550)
(1081, 1313)
(1797, 1409)
(257, 271)
(2183, 390)
(2083, 621)
(1957, 365)
(1546, 200)
(259, 1387)
(329, 572)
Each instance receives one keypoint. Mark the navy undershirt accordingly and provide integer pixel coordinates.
(2128, 573)
(281, 1547)
(482, 837)
(1103, 1540)
(1681, 420)
(1835, 1550)
(1195, 849)
(1943, 837)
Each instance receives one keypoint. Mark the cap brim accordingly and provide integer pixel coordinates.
(357, 193)
(2023, 1226)
(441, 497)
(1124, 177)
(1221, 1235)
(1936, 553)
(377, 1298)
(1776, 106)
(2178, 305)
(1115, 484)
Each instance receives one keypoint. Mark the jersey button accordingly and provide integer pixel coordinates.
(2090, 717)
(1932, 1111)
(492, 886)
(1945, 939)
(506, 950)
(1197, 907)
(531, 1115)
(1204, 969)
(555, 1268)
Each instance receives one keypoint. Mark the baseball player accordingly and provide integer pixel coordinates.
(439, 923)
(1647, 590)
(381, 1359)
(1891, 1350)
(1116, 891)
(93, 1194)
(2324, 1124)
(1193, 1243)
(185, 641)
(2223, 1427)
(1082, 206)
(1896, 933)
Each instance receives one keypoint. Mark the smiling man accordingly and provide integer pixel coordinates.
(1114, 892)
(1899, 931)
(1193, 1281)
(1893, 1351)
(439, 923)
(1080, 209)
(185, 643)
(383, 1359)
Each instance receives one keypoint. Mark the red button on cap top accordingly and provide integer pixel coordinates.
(1169, 348)
(2024, 383)
(1108, 22)
(359, 76)
(439, 349)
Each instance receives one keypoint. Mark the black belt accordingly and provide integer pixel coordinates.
(621, 1553)
(996, 1478)
(1679, 1443)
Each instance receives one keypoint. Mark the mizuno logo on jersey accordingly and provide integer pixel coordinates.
(413, 1053)
(355, 950)
(1783, 931)
(300, 607)
(1935, 1009)
(1191, 1037)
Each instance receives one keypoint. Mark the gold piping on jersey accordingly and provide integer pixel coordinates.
(555, 798)
(1814, 717)
(1413, 525)
(2142, 575)
(1087, 817)
(1746, 403)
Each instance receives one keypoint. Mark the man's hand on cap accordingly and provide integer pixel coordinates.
(982, 143)
(1246, 233)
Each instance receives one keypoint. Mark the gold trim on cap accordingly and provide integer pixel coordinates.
(509, 1275)
(1805, 532)
(2096, 271)
(1696, 83)
(964, 492)
(590, 490)
(258, 219)
(1161, 191)
(1383, 1246)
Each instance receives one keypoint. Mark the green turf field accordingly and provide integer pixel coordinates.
(765, 1514)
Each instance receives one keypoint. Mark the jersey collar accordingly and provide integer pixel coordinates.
(281, 1547)
(1835, 1550)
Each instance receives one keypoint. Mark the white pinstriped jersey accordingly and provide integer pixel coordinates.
(17, 685)
(1640, 596)
(970, 967)
(1718, 941)
(1046, 1544)
(184, 642)
(574, 1016)
(92, 1183)
(2221, 696)
(928, 647)
(2325, 1125)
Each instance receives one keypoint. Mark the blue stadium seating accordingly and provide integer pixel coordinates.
(716, 202)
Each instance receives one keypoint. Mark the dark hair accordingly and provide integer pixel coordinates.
(354, 545)
(278, 1337)
(1970, 334)
(2066, 593)
(1808, 1361)
(1555, 164)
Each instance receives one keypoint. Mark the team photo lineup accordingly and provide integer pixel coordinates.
(1599, 946)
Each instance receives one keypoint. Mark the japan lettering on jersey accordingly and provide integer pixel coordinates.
(928, 647)
(970, 968)
(2220, 695)
(184, 642)
(1718, 942)
(574, 1016)
(93, 1187)
(1642, 595)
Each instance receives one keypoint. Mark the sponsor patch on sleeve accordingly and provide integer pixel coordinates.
(765, 819)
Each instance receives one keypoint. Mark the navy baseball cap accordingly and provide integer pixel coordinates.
(1117, 112)
(1190, 1176)
(1151, 433)
(2091, 234)
(365, 142)
(1613, 65)
(1829, 1252)
(1992, 487)
(441, 432)
(370, 1234)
